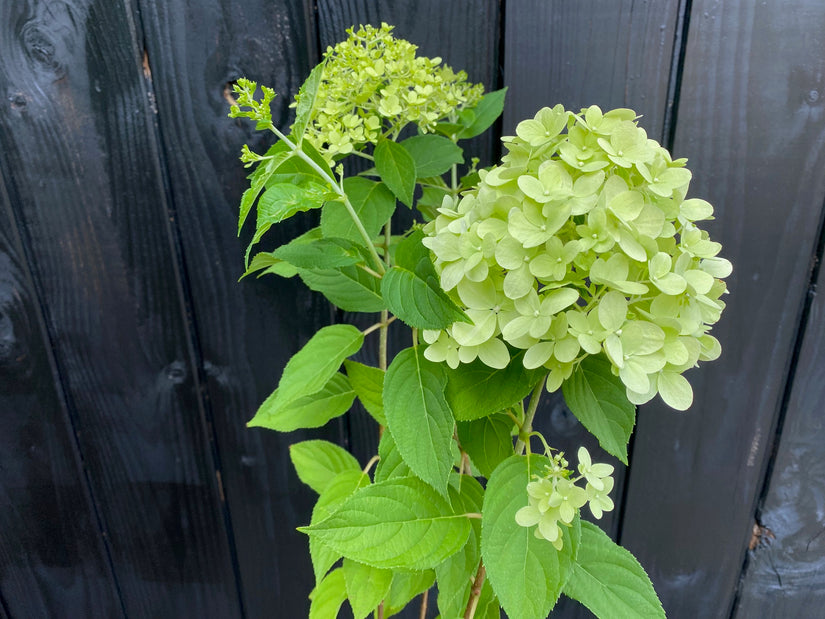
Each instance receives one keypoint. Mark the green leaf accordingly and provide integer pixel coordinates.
(337, 491)
(433, 154)
(310, 411)
(350, 288)
(398, 523)
(485, 113)
(260, 177)
(430, 201)
(609, 581)
(328, 596)
(419, 418)
(405, 586)
(368, 384)
(487, 441)
(599, 400)
(417, 302)
(475, 390)
(410, 254)
(397, 169)
(390, 463)
(311, 368)
(320, 254)
(366, 586)
(306, 102)
(372, 202)
(282, 200)
(318, 462)
(527, 573)
(266, 262)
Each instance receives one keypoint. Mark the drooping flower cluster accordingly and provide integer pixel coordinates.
(582, 243)
(554, 498)
(374, 84)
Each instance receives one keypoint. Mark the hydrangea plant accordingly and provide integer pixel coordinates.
(574, 264)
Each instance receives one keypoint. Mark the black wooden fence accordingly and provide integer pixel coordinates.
(130, 358)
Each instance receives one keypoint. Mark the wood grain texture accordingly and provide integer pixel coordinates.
(52, 555)
(246, 331)
(610, 54)
(76, 141)
(786, 565)
(750, 120)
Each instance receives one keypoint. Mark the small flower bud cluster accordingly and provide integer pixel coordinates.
(554, 499)
(374, 84)
(582, 243)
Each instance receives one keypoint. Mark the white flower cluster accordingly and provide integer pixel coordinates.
(582, 243)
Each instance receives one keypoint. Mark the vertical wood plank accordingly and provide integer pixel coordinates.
(52, 557)
(246, 331)
(750, 120)
(786, 561)
(75, 139)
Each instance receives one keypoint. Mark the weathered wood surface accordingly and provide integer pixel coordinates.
(750, 121)
(89, 197)
(245, 331)
(52, 557)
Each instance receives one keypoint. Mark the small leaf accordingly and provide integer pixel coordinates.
(419, 303)
(306, 102)
(527, 573)
(433, 154)
(484, 114)
(599, 400)
(312, 367)
(398, 523)
(318, 462)
(320, 254)
(350, 288)
(419, 418)
(372, 202)
(259, 179)
(397, 169)
(328, 596)
(475, 390)
(390, 463)
(282, 200)
(366, 586)
(368, 384)
(609, 581)
(405, 586)
(487, 441)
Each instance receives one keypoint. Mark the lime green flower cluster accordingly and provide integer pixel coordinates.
(582, 243)
(374, 84)
(554, 499)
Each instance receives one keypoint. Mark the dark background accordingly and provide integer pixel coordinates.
(130, 359)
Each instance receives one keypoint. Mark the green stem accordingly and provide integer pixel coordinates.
(339, 190)
(527, 426)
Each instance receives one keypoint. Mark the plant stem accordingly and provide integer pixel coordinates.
(339, 190)
(475, 592)
(527, 426)
(424, 599)
(382, 337)
(379, 613)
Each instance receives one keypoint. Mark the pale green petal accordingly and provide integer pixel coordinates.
(494, 353)
(556, 301)
(675, 390)
(482, 329)
(518, 283)
(612, 310)
(671, 284)
(696, 209)
(538, 354)
(634, 377)
(566, 349)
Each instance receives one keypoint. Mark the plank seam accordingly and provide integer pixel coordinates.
(787, 392)
(677, 68)
(498, 126)
(186, 298)
(19, 238)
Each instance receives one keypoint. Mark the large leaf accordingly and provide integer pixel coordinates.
(328, 596)
(397, 169)
(417, 302)
(527, 573)
(475, 390)
(366, 586)
(390, 463)
(337, 491)
(599, 400)
(609, 581)
(311, 368)
(398, 523)
(350, 288)
(419, 418)
(487, 441)
(372, 202)
(306, 102)
(368, 384)
(484, 114)
(433, 154)
(318, 462)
